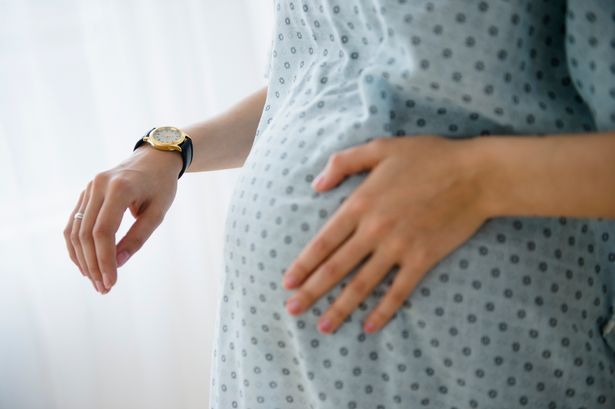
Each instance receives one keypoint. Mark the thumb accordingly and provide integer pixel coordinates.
(138, 234)
(349, 161)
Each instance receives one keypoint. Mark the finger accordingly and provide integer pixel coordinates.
(334, 232)
(329, 273)
(404, 283)
(87, 240)
(107, 223)
(68, 230)
(350, 161)
(138, 233)
(75, 239)
(370, 274)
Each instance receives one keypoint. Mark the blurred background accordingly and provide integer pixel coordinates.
(80, 81)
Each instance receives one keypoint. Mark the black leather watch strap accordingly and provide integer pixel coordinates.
(186, 152)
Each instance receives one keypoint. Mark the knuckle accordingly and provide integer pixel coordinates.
(329, 268)
(298, 268)
(119, 184)
(100, 179)
(378, 316)
(100, 232)
(336, 159)
(74, 237)
(358, 288)
(93, 266)
(358, 205)
(379, 227)
(338, 311)
(420, 255)
(85, 236)
(138, 241)
(396, 247)
(158, 216)
(396, 295)
(321, 244)
(92, 269)
(307, 296)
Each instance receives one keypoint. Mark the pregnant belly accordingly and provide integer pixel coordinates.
(511, 303)
(275, 213)
(519, 294)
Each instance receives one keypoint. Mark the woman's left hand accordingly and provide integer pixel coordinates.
(421, 200)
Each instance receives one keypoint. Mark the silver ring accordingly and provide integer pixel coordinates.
(78, 216)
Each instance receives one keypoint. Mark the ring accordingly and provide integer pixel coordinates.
(78, 216)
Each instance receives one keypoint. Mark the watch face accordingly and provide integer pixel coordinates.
(167, 134)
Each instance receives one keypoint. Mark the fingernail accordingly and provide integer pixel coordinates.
(99, 286)
(107, 281)
(325, 325)
(370, 326)
(293, 306)
(290, 281)
(318, 181)
(122, 257)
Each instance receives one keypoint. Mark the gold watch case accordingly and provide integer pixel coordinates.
(166, 138)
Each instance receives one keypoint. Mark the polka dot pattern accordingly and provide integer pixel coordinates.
(513, 316)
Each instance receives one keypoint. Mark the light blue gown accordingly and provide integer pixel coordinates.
(513, 317)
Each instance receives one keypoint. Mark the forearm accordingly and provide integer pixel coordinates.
(224, 141)
(556, 175)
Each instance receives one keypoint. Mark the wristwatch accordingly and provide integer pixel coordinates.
(169, 138)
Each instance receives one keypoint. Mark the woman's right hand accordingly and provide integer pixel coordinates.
(145, 183)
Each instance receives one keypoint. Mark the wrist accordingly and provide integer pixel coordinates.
(510, 177)
(487, 161)
(168, 161)
(169, 139)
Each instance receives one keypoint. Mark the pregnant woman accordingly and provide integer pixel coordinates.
(425, 216)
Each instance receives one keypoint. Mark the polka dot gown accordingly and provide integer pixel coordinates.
(514, 316)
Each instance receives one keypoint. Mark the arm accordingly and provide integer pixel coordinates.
(426, 195)
(556, 175)
(146, 183)
(225, 140)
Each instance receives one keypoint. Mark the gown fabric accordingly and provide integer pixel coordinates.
(511, 318)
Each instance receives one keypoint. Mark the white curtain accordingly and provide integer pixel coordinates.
(80, 81)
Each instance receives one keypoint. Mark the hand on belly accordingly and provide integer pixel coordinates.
(420, 201)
